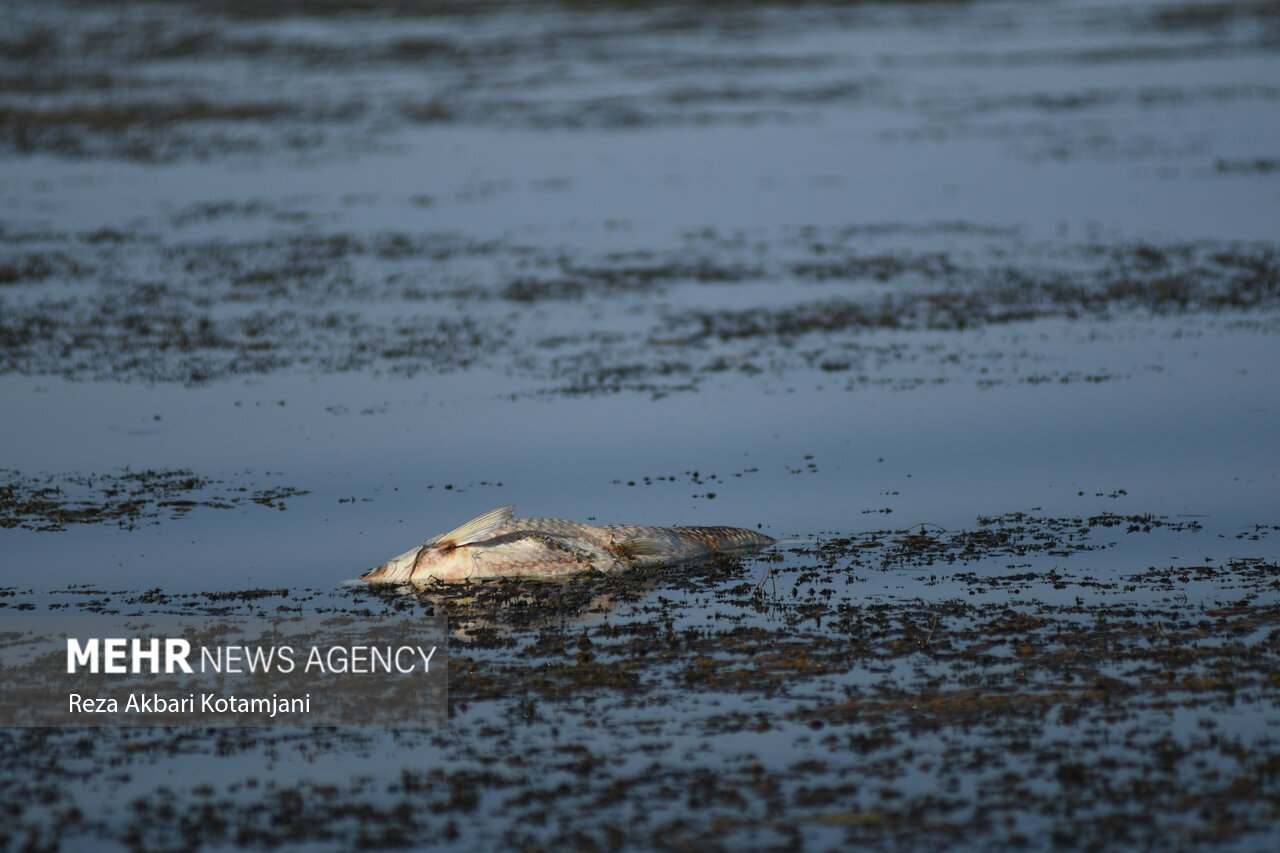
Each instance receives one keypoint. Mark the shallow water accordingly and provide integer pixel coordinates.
(974, 306)
(1191, 439)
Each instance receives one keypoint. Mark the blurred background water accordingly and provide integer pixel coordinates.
(826, 268)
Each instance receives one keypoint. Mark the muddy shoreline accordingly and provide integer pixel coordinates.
(971, 305)
(221, 310)
(906, 721)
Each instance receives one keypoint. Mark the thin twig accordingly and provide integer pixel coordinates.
(931, 630)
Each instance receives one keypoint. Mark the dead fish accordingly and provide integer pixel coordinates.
(496, 545)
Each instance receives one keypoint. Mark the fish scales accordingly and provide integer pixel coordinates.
(497, 545)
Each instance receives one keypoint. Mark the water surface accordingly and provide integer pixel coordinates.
(973, 305)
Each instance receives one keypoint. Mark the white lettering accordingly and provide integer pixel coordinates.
(114, 652)
(260, 660)
(152, 654)
(90, 705)
(176, 652)
(78, 655)
(124, 656)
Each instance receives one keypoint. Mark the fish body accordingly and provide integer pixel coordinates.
(496, 545)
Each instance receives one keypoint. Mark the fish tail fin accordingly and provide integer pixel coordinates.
(477, 528)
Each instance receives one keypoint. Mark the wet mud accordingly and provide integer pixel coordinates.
(405, 304)
(913, 287)
(606, 713)
(53, 502)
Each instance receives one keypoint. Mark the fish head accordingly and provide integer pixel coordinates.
(396, 570)
(444, 562)
(449, 557)
(441, 561)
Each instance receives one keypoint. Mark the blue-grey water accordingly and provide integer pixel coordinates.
(842, 271)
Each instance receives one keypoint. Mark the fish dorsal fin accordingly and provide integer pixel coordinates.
(477, 528)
